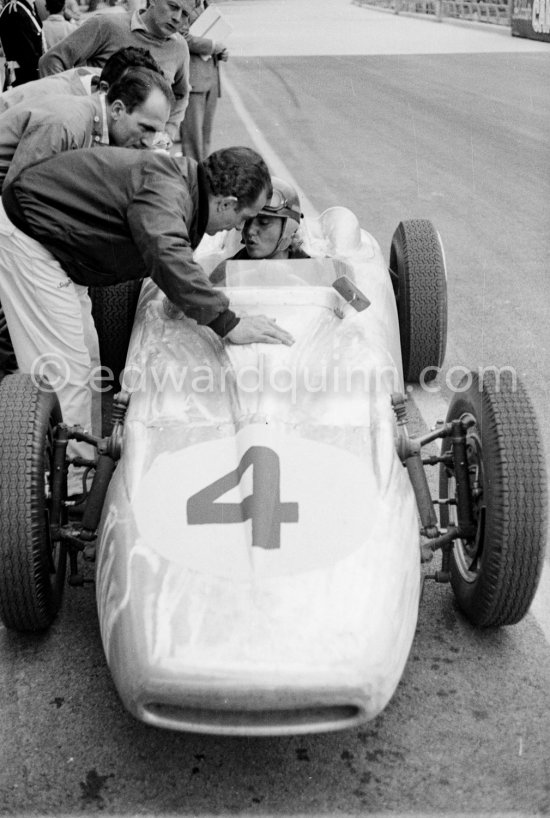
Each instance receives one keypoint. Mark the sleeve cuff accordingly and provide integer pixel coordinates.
(224, 323)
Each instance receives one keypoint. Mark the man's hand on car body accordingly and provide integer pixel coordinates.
(259, 329)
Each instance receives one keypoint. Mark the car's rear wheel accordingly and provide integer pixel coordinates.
(495, 573)
(32, 564)
(113, 310)
(417, 267)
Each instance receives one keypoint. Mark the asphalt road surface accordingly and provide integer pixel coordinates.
(395, 118)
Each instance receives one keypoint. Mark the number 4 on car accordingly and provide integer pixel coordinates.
(263, 506)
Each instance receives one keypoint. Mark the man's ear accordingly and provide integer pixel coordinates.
(117, 108)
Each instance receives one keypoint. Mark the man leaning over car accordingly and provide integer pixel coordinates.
(80, 82)
(135, 108)
(132, 112)
(149, 212)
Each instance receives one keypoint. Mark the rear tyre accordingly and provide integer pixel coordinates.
(113, 310)
(32, 565)
(495, 574)
(417, 267)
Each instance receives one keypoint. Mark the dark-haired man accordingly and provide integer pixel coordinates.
(155, 29)
(56, 26)
(134, 109)
(149, 211)
(80, 81)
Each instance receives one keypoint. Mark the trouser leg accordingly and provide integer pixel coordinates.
(192, 125)
(210, 103)
(91, 342)
(26, 73)
(49, 320)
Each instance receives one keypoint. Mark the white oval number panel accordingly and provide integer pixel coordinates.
(257, 504)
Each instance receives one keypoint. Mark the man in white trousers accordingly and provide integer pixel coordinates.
(98, 217)
(135, 108)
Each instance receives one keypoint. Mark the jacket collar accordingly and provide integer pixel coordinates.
(100, 130)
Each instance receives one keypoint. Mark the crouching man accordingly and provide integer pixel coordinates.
(105, 215)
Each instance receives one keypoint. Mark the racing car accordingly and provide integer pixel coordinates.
(259, 514)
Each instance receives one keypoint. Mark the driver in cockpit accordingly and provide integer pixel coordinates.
(272, 234)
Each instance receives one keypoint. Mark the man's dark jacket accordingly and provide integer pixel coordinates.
(114, 214)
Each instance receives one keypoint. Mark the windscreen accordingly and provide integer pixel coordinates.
(303, 272)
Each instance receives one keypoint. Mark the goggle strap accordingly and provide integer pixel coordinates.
(281, 212)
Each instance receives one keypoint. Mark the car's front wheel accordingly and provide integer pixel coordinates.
(32, 564)
(494, 573)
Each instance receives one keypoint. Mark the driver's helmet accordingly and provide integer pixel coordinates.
(284, 204)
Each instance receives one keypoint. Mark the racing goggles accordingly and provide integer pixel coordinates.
(279, 206)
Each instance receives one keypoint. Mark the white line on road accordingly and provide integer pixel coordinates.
(276, 165)
(431, 405)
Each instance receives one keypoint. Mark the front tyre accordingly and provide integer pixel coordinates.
(417, 267)
(495, 574)
(32, 565)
